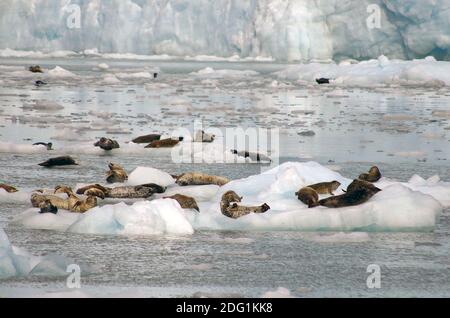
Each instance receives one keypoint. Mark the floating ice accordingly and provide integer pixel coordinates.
(411, 206)
(143, 175)
(212, 73)
(17, 262)
(60, 73)
(161, 216)
(373, 72)
(280, 292)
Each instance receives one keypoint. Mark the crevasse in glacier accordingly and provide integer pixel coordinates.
(289, 30)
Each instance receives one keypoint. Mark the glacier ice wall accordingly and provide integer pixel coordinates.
(287, 30)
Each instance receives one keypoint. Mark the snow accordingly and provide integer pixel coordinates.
(411, 206)
(18, 262)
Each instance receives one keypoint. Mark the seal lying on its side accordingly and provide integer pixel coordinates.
(116, 174)
(75, 203)
(229, 207)
(357, 193)
(35, 69)
(255, 156)
(184, 201)
(308, 196)
(373, 176)
(146, 139)
(325, 187)
(58, 161)
(198, 178)
(107, 144)
(164, 143)
(49, 145)
(125, 192)
(8, 188)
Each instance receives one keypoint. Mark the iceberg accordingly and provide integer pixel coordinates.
(16, 262)
(285, 30)
(410, 206)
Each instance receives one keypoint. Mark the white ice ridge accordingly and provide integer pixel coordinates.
(398, 207)
(292, 30)
(375, 72)
(16, 262)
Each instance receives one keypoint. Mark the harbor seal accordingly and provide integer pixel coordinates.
(357, 193)
(373, 176)
(75, 203)
(58, 161)
(47, 207)
(164, 143)
(49, 145)
(107, 144)
(125, 192)
(8, 188)
(184, 201)
(35, 69)
(308, 196)
(230, 208)
(358, 184)
(146, 139)
(201, 136)
(38, 199)
(198, 178)
(325, 187)
(322, 80)
(39, 83)
(254, 156)
(116, 174)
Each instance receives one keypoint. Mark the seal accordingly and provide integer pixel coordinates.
(107, 144)
(373, 176)
(39, 83)
(231, 209)
(125, 192)
(322, 80)
(325, 187)
(358, 184)
(49, 145)
(164, 143)
(184, 201)
(201, 136)
(58, 161)
(116, 174)
(35, 69)
(47, 207)
(146, 139)
(198, 178)
(255, 156)
(38, 199)
(8, 188)
(308, 196)
(357, 193)
(76, 204)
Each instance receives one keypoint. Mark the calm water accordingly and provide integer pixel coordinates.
(403, 131)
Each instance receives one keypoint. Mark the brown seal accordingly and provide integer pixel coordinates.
(357, 193)
(107, 144)
(308, 196)
(325, 187)
(75, 203)
(58, 161)
(116, 174)
(8, 188)
(124, 192)
(231, 209)
(184, 201)
(164, 143)
(35, 69)
(146, 139)
(198, 178)
(373, 176)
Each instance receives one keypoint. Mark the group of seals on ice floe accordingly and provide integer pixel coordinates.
(358, 192)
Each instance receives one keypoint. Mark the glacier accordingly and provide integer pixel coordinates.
(285, 30)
